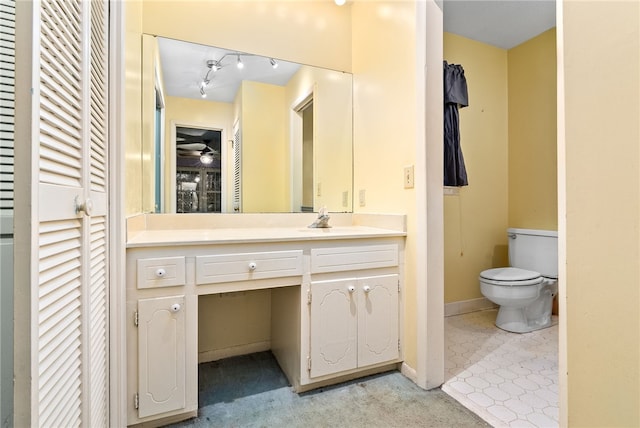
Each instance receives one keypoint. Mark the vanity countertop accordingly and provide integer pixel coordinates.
(156, 237)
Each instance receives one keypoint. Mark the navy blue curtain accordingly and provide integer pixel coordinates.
(455, 97)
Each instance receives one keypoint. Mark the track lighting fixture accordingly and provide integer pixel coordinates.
(203, 86)
(217, 65)
(214, 65)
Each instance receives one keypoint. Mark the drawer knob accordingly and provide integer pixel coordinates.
(252, 265)
(175, 307)
(351, 288)
(366, 288)
(160, 273)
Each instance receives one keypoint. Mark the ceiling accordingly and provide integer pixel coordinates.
(501, 23)
(184, 67)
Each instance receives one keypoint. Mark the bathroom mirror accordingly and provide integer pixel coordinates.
(283, 131)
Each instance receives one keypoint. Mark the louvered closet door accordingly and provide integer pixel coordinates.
(70, 322)
(237, 169)
(7, 119)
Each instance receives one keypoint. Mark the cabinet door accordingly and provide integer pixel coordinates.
(333, 322)
(161, 355)
(377, 319)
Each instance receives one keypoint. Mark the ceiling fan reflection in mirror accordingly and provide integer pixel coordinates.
(197, 147)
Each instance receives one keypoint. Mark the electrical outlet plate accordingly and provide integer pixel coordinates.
(408, 177)
(362, 197)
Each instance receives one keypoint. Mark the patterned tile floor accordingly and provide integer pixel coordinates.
(508, 379)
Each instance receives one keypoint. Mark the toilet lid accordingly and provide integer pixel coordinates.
(510, 274)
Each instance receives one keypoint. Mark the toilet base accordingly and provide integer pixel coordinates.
(515, 320)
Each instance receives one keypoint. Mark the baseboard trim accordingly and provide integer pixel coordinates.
(218, 354)
(409, 372)
(466, 306)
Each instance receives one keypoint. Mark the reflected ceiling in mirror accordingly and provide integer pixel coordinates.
(197, 71)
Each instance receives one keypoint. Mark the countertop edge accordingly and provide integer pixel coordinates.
(160, 238)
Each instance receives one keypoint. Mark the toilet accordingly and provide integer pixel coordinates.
(525, 290)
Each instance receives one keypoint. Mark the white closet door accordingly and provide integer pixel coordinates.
(237, 169)
(7, 113)
(69, 363)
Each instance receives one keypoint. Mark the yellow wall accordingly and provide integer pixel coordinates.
(150, 61)
(200, 114)
(217, 335)
(308, 32)
(600, 199)
(475, 220)
(265, 172)
(133, 106)
(533, 196)
(385, 131)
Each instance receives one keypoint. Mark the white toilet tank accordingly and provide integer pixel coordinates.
(535, 250)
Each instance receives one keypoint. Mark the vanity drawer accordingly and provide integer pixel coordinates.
(161, 272)
(247, 266)
(353, 258)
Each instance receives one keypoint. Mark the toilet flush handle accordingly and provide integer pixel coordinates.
(512, 236)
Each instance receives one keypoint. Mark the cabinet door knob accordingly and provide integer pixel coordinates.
(175, 307)
(252, 266)
(366, 288)
(160, 273)
(351, 288)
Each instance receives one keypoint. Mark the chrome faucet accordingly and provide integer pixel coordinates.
(323, 219)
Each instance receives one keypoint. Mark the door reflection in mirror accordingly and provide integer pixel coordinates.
(198, 170)
(307, 158)
(158, 152)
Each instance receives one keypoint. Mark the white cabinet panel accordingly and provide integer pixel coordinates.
(378, 320)
(161, 355)
(247, 266)
(333, 327)
(161, 272)
(339, 259)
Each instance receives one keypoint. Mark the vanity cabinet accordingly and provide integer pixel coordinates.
(334, 307)
(353, 323)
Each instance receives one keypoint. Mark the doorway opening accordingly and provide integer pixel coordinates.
(307, 157)
(302, 138)
(199, 180)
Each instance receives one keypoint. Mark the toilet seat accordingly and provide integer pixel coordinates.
(511, 277)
